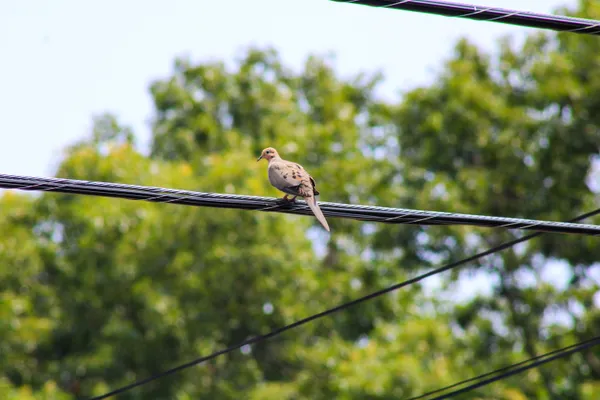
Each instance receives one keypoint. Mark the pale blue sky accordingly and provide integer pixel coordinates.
(64, 60)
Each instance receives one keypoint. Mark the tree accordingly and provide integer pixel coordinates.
(139, 287)
(97, 293)
(519, 134)
(27, 304)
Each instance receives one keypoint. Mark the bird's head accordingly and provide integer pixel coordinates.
(268, 154)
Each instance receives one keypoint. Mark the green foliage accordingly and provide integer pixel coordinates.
(96, 292)
(515, 134)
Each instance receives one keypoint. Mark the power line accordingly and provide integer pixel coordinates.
(330, 311)
(561, 354)
(486, 13)
(269, 204)
(507, 368)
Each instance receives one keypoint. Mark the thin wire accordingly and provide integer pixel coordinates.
(330, 311)
(484, 13)
(582, 346)
(508, 367)
(269, 204)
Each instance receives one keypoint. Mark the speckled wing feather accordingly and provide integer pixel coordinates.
(292, 179)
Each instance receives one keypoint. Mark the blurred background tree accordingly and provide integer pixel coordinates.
(99, 292)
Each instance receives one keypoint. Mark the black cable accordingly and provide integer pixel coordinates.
(486, 13)
(303, 321)
(508, 367)
(579, 347)
(356, 212)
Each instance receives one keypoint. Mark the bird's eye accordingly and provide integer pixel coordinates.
(268, 151)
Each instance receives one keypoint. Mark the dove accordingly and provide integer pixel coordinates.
(292, 179)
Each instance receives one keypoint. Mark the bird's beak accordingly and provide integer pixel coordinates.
(259, 158)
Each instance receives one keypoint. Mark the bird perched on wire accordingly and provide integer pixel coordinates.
(292, 179)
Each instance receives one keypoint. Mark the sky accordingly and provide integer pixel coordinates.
(64, 61)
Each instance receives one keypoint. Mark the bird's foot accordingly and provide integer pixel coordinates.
(285, 199)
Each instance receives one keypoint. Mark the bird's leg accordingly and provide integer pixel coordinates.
(286, 200)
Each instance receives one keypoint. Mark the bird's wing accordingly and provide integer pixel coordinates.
(314, 186)
(291, 178)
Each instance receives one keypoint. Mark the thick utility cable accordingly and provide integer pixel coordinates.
(330, 311)
(593, 340)
(486, 13)
(577, 348)
(357, 212)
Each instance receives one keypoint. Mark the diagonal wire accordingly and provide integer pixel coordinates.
(485, 13)
(330, 311)
(507, 368)
(561, 354)
(268, 204)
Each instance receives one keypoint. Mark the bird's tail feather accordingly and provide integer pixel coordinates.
(312, 203)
